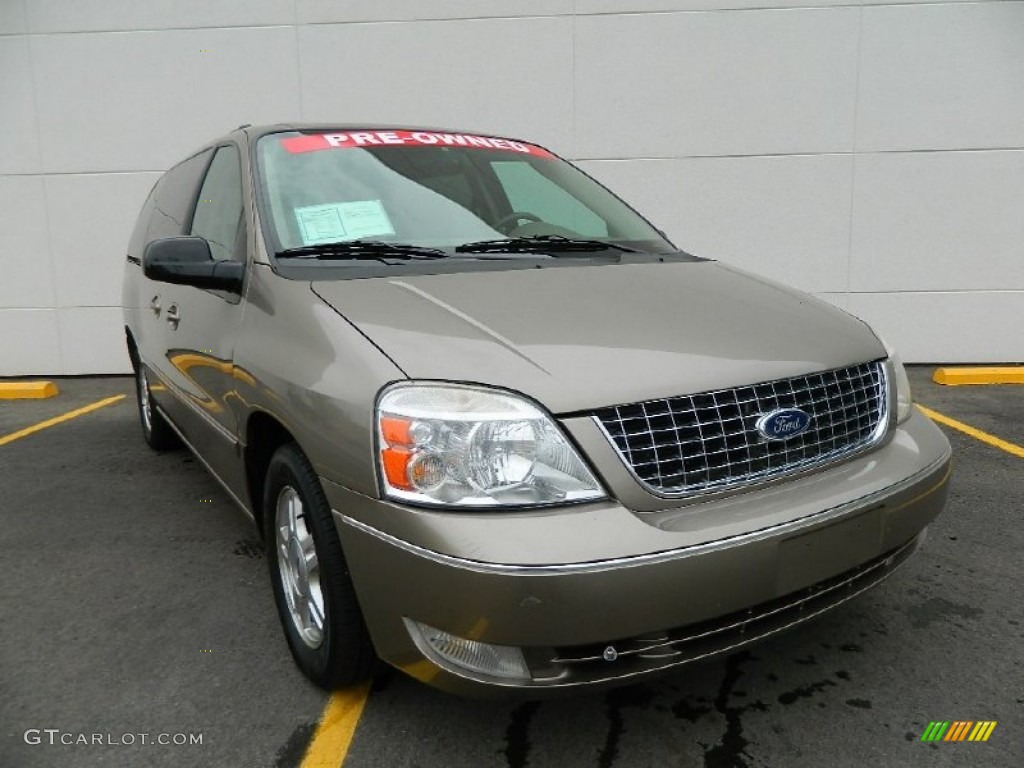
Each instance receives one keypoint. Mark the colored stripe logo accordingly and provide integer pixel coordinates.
(958, 730)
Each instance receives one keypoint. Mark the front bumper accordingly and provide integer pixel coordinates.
(658, 607)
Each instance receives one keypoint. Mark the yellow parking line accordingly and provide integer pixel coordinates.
(977, 434)
(59, 419)
(337, 727)
(954, 377)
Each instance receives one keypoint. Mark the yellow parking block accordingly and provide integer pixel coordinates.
(952, 377)
(27, 390)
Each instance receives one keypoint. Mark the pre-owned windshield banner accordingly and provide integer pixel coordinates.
(314, 142)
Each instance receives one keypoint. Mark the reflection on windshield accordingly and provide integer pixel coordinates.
(323, 188)
(332, 196)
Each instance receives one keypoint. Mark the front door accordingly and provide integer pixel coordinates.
(201, 327)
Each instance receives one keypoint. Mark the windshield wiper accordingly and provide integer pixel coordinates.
(540, 244)
(362, 249)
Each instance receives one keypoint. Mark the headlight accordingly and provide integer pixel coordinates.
(904, 398)
(463, 446)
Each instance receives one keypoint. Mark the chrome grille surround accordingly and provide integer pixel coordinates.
(706, 442)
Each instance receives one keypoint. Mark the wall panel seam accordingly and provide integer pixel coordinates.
(506, 17)
(864, 153)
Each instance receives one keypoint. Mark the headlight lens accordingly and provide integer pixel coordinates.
(904, 398)
(448, 445)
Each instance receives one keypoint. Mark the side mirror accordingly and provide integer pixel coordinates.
(187, 261)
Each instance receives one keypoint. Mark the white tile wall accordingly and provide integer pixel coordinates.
(26, 268)
(732, 209)
(92, 340)
(944, 76)
(962, 326)
(784, 136)
(91, 218)
(667, 6)
(939, 220)
(139, 101)
(105, 15)
(19, 149)
(12, 17)
(511, 76)
(720, 83)
(321, 11)
(29, 342)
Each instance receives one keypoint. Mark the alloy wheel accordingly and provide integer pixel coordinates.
(299, 568)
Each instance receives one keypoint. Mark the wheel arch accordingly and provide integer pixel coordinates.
(264, 434)
(133, 348)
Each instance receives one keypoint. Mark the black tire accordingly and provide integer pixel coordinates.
(344, 654)
(155, 430)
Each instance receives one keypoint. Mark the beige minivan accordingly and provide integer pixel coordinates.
(495, 429)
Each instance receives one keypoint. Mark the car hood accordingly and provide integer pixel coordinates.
(576, 338)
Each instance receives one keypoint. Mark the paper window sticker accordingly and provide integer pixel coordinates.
(321, 224)
(334, 222)
(365, 218)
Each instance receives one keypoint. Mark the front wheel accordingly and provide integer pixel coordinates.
(155, 429)
(315, 598)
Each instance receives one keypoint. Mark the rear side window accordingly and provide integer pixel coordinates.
(173, 196)
(218, 214)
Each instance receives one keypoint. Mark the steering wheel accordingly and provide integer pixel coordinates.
(514, 217)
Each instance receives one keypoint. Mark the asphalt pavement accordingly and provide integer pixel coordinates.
(135, 601)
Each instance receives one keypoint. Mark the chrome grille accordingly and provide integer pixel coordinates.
(709, 441)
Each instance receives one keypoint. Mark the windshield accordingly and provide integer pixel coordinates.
(436, 190)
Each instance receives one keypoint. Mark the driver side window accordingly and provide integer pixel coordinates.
(218, 214)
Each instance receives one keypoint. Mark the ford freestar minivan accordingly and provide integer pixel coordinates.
(494, 427)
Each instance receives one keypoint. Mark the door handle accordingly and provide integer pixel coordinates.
(173, 318)
(154, 304)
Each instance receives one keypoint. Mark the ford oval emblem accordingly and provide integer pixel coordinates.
(784, 423)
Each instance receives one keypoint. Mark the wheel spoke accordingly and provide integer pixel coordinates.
(316, 614)
(312, 565)
(302, 610)
(294, 510)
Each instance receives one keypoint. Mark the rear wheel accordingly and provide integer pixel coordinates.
(155, 429)
(315, 598)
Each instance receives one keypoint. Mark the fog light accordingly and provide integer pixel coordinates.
(482, 658)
